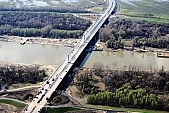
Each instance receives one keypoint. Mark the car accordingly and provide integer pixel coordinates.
(5, 90)
(39, 92)
(39, 111)
(46, 89)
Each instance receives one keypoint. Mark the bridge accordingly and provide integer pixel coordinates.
(76, 58)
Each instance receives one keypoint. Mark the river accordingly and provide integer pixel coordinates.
(11, 52)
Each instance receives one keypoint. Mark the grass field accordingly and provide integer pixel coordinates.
(159, 10)
(125, 109)
(49, 3)
(61, 110)
(129, 8)
(16, 104)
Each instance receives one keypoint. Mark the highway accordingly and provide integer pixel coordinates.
(40, 100)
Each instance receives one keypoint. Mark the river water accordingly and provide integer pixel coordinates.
(11, 52)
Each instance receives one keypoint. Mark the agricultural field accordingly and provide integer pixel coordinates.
(80, 4)
(150, 10)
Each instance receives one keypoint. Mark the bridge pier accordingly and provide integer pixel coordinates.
(106, 22)
(115, 9)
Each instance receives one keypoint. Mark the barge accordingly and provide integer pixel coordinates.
(163, 55)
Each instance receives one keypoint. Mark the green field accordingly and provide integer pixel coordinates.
(125, 109)
(61, 110)
(50, 3)
(11, 102)
(159, 10)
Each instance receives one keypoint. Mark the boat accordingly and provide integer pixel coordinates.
(163, 55)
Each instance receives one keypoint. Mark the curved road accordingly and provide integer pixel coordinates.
(20, 89)
(55, 79)
(16, 100)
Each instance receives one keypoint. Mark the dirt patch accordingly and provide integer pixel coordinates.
(76, 94)
(100, 85)
(6, 108)
(49, 69)
(59, 100)
(24, 95)
(96, 77)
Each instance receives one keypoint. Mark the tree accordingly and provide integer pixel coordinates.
(98, 68)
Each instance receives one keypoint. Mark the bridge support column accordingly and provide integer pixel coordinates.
(68, 58)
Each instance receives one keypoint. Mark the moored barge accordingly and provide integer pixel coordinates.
(163, 55)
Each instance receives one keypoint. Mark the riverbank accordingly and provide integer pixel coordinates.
(72, 43)
(49, 69)
(42, 41)
(46, 41)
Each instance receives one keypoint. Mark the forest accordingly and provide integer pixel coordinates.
(56, 25)
(10, 74)
(128, 87)
(141, 33)
(44, 9)
(51, 25)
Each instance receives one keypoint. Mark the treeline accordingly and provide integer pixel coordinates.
(142, 33)
(45, 32)
(45, 9)
(20, 74)
(130, 87)
(127, 97)
(52, 25)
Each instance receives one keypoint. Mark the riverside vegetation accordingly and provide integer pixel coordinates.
(116, 34)
(11, 74)
(139, 32)
(132, 87)
(51, 25)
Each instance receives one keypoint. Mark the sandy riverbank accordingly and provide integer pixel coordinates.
(39, 40)
(71, 42)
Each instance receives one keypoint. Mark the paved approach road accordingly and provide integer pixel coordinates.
(55, 79)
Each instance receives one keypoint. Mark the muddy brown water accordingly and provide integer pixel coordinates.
(11, 52)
